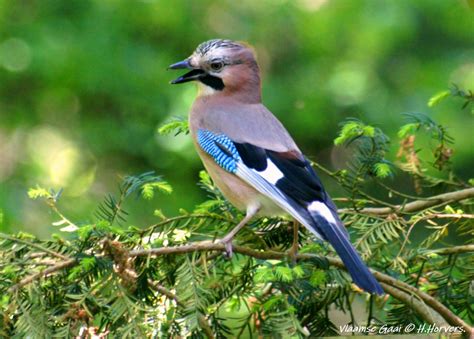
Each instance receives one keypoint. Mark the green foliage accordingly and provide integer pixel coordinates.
(352, 130)
(84, 86)
(441, 153)
(145, 184)
(38, 192)
(438, 97)
(370, 146)
(176, 126)
(417, 121)
(382, 170)
(467, 95)
(107, 286)
(105, 278)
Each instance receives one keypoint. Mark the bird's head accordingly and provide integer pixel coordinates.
(222, 67)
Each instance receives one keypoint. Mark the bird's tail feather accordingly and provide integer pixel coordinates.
(338, 239)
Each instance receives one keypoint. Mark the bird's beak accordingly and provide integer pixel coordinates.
(181, 65)
(194, 74)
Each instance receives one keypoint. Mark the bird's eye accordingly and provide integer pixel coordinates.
(217, 65)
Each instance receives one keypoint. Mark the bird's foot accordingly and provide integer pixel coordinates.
(227, 242)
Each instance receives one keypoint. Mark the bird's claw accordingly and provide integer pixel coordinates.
(228, 246)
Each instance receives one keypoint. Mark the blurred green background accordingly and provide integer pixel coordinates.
(84, 87)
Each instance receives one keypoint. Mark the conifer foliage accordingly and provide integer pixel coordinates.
(172, 279)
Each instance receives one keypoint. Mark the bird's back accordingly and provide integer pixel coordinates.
(243, 123)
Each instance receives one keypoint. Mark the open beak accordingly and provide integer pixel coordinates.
(193, 74)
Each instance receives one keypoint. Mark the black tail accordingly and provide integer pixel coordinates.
(337, 237)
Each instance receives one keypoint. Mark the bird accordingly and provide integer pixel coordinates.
(252, 158)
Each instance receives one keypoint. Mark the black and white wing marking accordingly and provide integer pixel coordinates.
(270, 173)
(289, 180)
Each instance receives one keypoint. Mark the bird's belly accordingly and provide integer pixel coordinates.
(237, 192)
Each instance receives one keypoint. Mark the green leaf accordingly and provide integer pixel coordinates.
(353, 129)
(5, 300)
(408, 129)
(263, 275)
(204, 178)
(438, 97)
(317, 278)
(148, 189)
(368, 131)
(38, 192)
(349, 130)
(284, 273)
(159, 213)
(271, 302)
(382, 170)
(298, 271)
(176, 126)
(207, 206)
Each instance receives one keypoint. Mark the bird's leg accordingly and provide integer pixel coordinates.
(293, 251)
(227, 240)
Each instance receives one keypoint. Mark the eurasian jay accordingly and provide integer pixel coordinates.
(251, 157)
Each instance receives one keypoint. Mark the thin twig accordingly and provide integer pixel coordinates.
(419, 307)
(170, 295)
(445, 312)
(181, 217)
(32, 244)
(163, 290)
(50, 270)
(400, 194)
(417, 205)
(453, 250)
(448, 216)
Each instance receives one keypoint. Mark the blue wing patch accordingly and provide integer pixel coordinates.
(221, 148)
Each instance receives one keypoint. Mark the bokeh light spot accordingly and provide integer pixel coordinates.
(15, 55)
(61, 163)
(311, 5)
(348, 85)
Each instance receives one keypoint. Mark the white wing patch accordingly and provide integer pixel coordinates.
(321, 209)
(271, 174)
(256, 180)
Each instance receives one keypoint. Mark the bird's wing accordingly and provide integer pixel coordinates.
(289, 180)
(286, 177)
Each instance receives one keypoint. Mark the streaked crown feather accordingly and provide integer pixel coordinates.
(210, 45)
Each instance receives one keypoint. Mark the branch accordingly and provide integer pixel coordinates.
(428, 299)
(203, 323)
(453, 250)
(183, 217)
(419, 307)
(417, 205)
(29, 279)
(33, 245)
(266, 255)
(398, 289)
(163, 290)
(448, 216)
